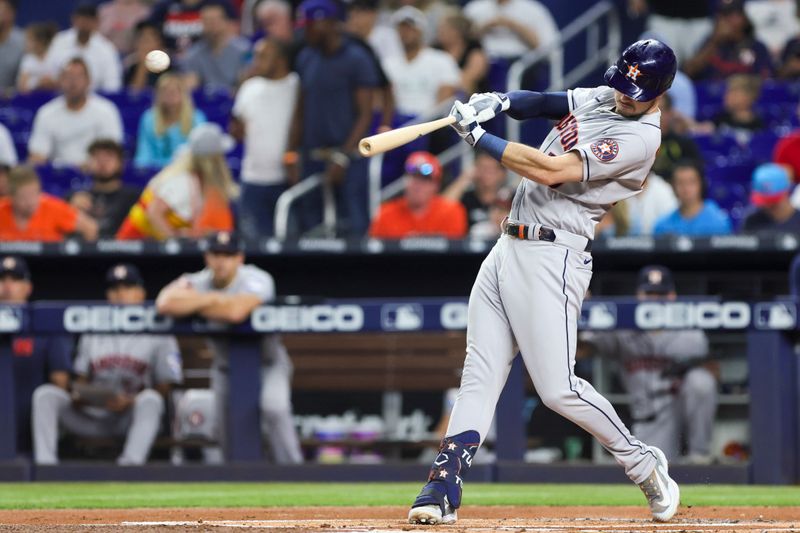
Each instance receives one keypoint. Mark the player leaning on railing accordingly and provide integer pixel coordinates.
(531, 286)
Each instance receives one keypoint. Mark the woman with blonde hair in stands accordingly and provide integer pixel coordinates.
(191, 195)
(166, 125)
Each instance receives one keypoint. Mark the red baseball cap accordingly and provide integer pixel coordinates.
(424, 165)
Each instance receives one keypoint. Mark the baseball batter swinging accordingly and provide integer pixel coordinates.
(530, 287)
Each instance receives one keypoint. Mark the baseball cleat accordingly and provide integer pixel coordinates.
(661, 491)
(432, 507)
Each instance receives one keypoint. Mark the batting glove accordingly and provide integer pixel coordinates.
(466, 123)
(489, 105)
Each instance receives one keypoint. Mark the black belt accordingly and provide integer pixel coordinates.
(521, 231)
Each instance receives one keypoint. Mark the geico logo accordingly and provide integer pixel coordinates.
(704, 315)
(308, 318)
(108, 318)
(454, 316)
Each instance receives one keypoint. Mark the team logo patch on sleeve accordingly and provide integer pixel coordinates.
(605, 149)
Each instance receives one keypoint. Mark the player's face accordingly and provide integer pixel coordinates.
(687, 184)
(26, 200)
(123, 294)
(223, 266)
(628, 107)
(14, 290)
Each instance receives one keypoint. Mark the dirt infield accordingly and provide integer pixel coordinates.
(391, 519)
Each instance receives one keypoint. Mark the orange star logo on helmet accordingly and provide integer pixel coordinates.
(633, 72)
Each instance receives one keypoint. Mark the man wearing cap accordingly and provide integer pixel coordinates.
(121, 386)
(37, 359)
(84, 41)
(337, 81)
(672, 393)
(217, 59)
(422, 76)
(421, 210)
(769, 194)
(228, 290)
(732, 47)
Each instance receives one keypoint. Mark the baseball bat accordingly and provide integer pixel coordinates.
(388, 140)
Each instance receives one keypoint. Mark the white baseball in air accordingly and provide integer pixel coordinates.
(156, 61)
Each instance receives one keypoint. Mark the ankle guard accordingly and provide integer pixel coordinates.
(452, 463)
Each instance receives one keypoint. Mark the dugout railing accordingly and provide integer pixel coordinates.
(770, 328)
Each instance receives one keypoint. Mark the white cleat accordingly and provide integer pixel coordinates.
(432, 515)
(661, 491)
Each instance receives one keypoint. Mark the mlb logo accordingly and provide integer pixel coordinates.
(598, 315)
(402, 317)
(777, 315)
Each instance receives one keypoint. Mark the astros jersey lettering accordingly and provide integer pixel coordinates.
(617, 154)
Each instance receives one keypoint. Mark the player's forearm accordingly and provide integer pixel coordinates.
(536, 166)
(233, 308)
(179, 302)
(532, 104)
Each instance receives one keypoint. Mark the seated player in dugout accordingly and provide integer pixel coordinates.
(667, 374)
(122, 384)
(228, 290)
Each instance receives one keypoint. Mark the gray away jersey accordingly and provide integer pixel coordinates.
(249, 279)
(617, 154)
(129, 363)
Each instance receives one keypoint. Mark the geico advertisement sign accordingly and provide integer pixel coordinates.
(109, 318)
(702, 315)
(315, 318)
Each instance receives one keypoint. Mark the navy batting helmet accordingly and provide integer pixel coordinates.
(644, 71)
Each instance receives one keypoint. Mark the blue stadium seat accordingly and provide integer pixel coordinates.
(761, 145)
(717, 144)
(59, 181)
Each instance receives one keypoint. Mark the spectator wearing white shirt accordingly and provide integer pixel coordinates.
(64, 127)
(510, 28)
(8, 159)
(85, 41)
(262, 116)
(422, 76)
(12, 45)
(35, 73)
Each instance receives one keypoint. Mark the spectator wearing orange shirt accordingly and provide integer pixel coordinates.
(421, 211)
(28, 214)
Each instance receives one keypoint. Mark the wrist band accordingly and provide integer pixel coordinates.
(339, 158)
(492, 145)
(290, 158)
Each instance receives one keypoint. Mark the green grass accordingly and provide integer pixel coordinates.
(128, 495)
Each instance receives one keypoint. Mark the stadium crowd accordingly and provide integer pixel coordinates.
(261, 94)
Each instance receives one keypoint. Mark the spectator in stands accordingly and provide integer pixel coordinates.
(676, 144)
(165, 127)
(122, 384)
(477, 187)
(338, 79)
(695, 215)
(179, 22)
(789, 68)
(787, 153)
(35, 72)
(12, 45)
(510, 28)
(731, 49)
(775, 21)
(421, 210)
(672, 388)
(228, 290)
(656, 201)
(262, 116)
(118, 20)
(37, 359)
(681, 25)
(362, 21)
(490, 228)
(64, 127)
(84, 41)
(274, 19)
(422, 76)
(217, 59)
(454, 36)
(137, 76)
(109, 199)
(772, 209)
(177, 200)
(738, 114)
(28, 214)
(8, 158)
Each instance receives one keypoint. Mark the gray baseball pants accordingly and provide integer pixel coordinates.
(53, 410)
